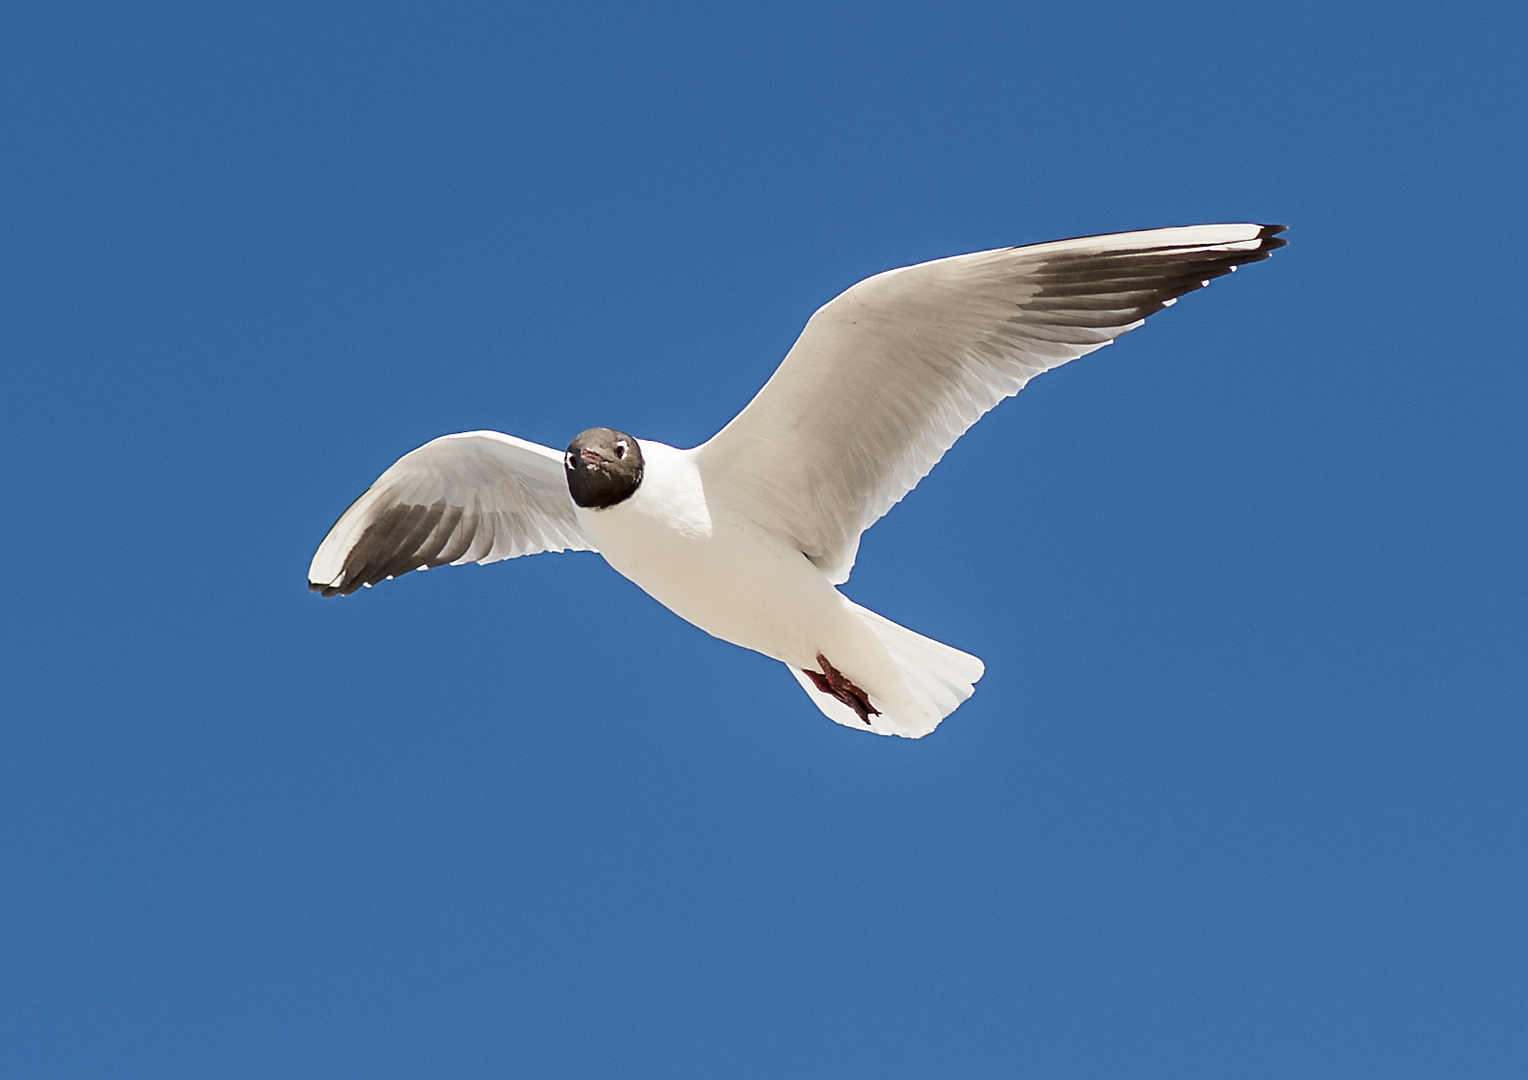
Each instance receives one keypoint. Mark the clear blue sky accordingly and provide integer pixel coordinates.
(1243, 791)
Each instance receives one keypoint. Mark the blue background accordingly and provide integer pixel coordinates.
(1243, 791)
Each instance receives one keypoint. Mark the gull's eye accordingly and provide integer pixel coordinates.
(620, 449)
(567, 460)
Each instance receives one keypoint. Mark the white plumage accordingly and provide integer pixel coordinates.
(475, 497)
(746, 535)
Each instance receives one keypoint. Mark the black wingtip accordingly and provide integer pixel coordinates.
(1269, 235)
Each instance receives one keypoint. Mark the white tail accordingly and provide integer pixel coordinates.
(936, 679)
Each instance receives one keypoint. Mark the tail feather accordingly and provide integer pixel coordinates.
(936, 680)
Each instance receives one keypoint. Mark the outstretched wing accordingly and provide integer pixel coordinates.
(888, 375)
(475, 497)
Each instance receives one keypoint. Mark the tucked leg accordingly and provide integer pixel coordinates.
(836, 684)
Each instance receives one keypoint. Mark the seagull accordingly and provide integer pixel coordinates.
(748, 535)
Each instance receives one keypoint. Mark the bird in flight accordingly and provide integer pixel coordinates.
(747, 535)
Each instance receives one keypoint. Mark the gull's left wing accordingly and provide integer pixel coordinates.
(888, 375)
(475, 497)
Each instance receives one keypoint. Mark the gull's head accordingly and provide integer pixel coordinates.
(603, 466)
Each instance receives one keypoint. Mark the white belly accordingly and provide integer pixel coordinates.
(719, 571)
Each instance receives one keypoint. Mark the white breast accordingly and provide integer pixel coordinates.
(712, 566)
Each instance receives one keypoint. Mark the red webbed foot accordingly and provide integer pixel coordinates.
(836, 684)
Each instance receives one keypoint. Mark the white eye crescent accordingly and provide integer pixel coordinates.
(620, 448)
(567, 460)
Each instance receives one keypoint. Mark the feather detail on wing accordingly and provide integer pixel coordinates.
(889, 374)
(475, 497)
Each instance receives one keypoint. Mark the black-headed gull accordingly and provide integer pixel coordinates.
(747, 535)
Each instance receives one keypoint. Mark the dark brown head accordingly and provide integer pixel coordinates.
(604, 467)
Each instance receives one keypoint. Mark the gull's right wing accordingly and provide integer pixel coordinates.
(475, 497)
(888, 375)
